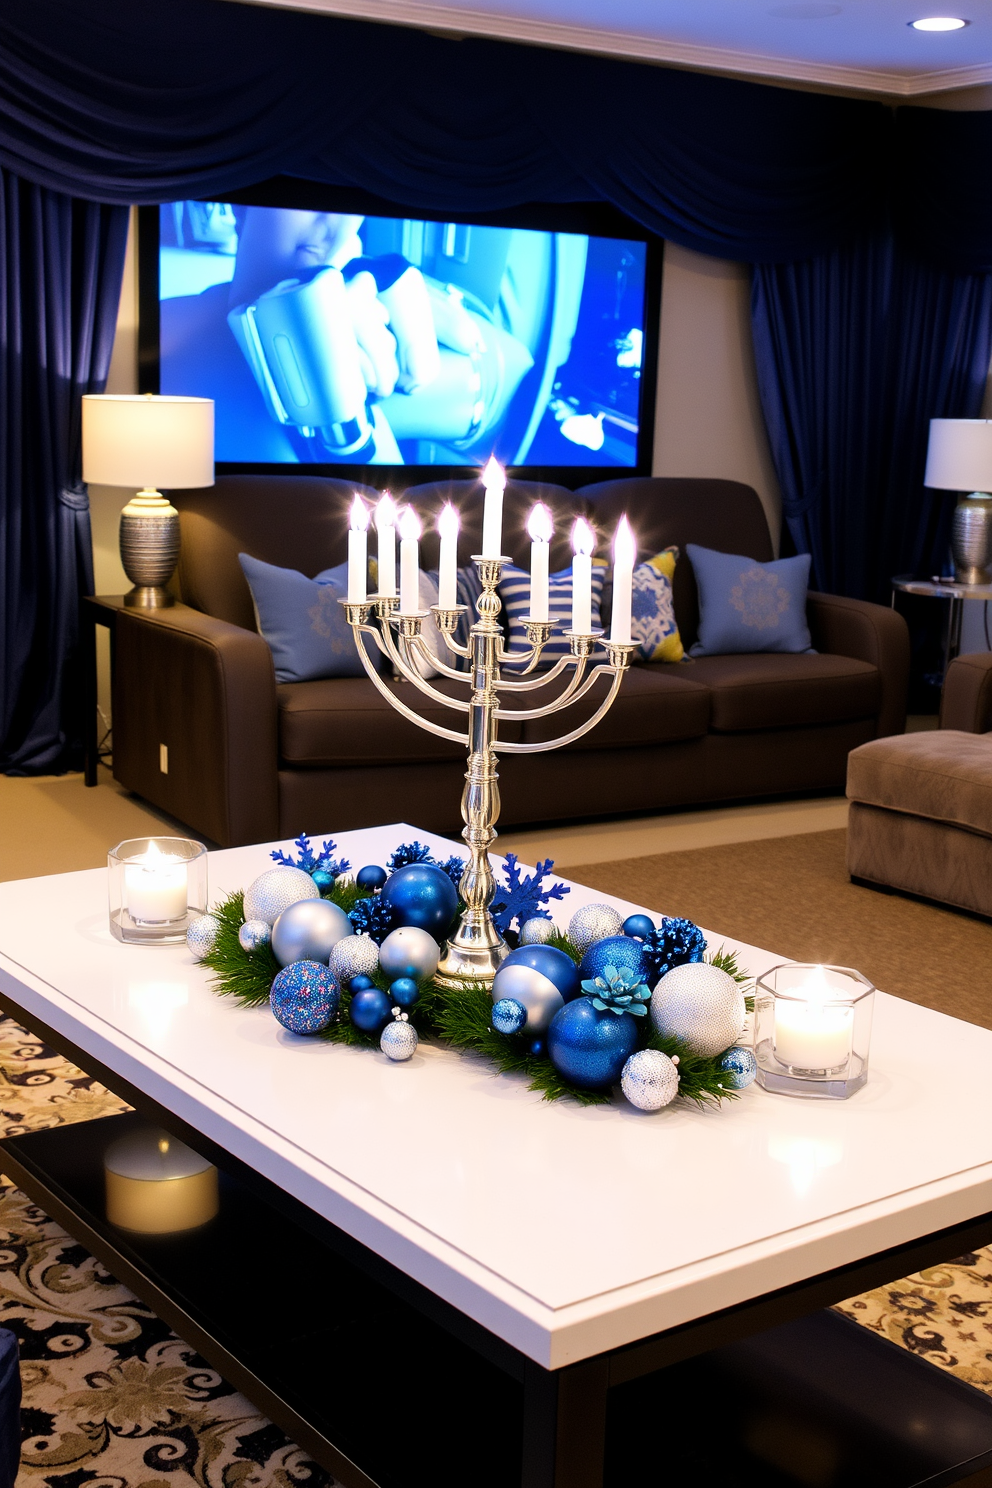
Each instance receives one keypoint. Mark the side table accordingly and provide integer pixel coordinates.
(94, 610)
(943, 589)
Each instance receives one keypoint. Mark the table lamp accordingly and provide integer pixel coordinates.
(148, 441)
(959, 458)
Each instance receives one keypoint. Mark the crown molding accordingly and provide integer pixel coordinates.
(452, 20)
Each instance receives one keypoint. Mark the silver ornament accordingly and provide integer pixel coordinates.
(201, 935)
(537, 931)
(536, 993)
(344, 880)
(409, 952)
(649, 1080)
(254, 933)
(740, 1067)
(701, 1005)
(355, 955)
(398, 1041)
(275, 890)
(591, 923)
(308, 931)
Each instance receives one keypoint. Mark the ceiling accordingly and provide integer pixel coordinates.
(851, 44)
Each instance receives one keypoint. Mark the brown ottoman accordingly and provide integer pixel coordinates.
(921, 816)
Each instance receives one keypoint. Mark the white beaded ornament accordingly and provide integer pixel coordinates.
(701, 1005)
(275, 890)
(591, 923)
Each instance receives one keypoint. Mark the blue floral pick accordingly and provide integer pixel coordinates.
(310, 861)
(618, 991)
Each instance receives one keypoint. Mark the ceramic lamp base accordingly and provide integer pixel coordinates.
(149, 543)
(971, 539)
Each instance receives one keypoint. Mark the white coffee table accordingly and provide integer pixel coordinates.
(561, 1252)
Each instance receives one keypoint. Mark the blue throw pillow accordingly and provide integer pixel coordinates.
(300, 618)
(749, 606)
(514, 591)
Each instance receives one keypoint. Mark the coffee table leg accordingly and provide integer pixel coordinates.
(565, 1425)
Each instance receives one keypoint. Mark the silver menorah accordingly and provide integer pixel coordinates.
(473, 953)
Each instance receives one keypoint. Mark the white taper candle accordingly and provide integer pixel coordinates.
(583, 543)
(385, 526)
(541, 528)
(358, 552)
(624, 554)
(492, 518)
(447, 571)
(409, 562)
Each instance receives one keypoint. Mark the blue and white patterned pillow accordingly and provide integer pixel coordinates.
(514, 591)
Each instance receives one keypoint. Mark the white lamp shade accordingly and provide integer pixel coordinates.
(148, 442)
(959, 455)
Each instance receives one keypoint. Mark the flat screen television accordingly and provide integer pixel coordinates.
(338, 335)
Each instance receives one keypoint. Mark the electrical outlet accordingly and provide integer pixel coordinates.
(163, 758)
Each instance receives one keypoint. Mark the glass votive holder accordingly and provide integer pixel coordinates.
(157, 885)
(812, 1028)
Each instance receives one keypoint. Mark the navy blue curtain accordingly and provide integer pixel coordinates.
(856, 350)
(61, 262)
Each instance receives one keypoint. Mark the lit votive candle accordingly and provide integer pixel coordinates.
(812, 1032)
(155, 887)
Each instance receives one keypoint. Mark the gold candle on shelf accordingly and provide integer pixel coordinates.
(156, 1185)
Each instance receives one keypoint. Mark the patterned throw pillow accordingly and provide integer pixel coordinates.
(746, 606)
(652, 612)
(514, 591)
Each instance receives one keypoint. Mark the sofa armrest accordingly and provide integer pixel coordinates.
(866, 632)
(206, 690)
(966, 697)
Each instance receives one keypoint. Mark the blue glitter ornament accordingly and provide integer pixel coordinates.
(739, 1066)
(371, 917)
(620, 951)
(638, 925)
(370, 1010)
(676, 942)
(404, 992)
(588, 1047)
(509, 1016)
(371, 877)
(421, 895)
(361, 983)
(304, 997)
(398, 1041)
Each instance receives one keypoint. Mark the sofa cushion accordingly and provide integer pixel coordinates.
(746, 606)
(347, 721)
(656, 704)
(943, 775)
(780, 690)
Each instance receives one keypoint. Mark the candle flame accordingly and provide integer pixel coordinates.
(163, 1145)
(493, 477)
(447, 522)
(583, 538)
(385, 512)
(359, 515)
(540, 524)
(409, 525)
(624, 545)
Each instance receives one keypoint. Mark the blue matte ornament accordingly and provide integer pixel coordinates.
(404, 992)
(739, 1067)
(361, 983)
(588, 1047)
(637, 925)
(621, 951)
(370, 1010)
(371, 877)
(304, 997)
(509, 1016)
(422, 895)
(537, 1048)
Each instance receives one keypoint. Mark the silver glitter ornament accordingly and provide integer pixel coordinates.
(355, 955)
(409, 952)
(344, 880)
(593, 922)
(275, 890)
(536, 993)
(649, 1080)
(253, 934)
(739, 1066)
(201, 935)
(537, 931)
(308, 931)
(398, 1041)
(701, 1005)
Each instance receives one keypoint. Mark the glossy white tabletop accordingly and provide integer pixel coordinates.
(565, 1231)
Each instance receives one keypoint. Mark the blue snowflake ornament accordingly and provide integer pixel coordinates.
(618, 991)
(310, 861)
(676, 942)
(371, 917)
(522, 899)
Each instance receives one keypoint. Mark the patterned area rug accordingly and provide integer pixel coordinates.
(113, 1399)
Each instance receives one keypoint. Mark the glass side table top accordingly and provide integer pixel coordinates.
(937, 588)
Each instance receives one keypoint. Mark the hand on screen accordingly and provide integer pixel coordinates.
(376, 344)
(412, 323)
(452, 323)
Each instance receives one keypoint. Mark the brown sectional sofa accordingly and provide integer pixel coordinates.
(251, 759)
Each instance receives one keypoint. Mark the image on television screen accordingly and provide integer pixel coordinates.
(326, 338)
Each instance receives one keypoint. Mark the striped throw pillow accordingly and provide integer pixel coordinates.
(514, 592)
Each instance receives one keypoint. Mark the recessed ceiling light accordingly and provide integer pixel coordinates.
(938, 23)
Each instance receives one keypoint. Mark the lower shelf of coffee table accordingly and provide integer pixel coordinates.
(383, 1395)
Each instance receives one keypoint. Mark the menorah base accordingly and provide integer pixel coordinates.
(473, 954)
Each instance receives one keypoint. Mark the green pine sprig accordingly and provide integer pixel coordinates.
(243, 975)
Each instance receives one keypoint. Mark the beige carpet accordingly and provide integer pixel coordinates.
(792, 895)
